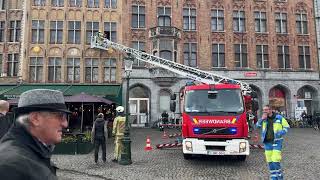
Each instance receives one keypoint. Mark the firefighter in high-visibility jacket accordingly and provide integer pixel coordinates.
(274, 127)
(118, 132)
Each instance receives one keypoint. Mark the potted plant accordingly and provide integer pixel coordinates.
(84, 145)
(67, 145)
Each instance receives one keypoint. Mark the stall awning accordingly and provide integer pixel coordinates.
(96, 90)
(13, 92)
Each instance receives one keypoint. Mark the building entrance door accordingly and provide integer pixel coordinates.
(139, 111)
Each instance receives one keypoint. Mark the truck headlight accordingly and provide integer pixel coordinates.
(189, 145)
(242, 146)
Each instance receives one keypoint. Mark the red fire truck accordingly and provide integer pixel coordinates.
(214, 121)
(214, 112)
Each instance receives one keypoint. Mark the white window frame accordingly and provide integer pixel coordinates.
(283, 22)
(284, 56)
(109, 67)
(36, 66)
(91, 67)
(57, 3)
(261, 21)
(93, 3)
(190, 17)
(241, 53)
(138, 14)
(73, 68)
(75, 31)
(138, 63)
(55, 67)
(262, 54)
(215, 17)
(75, 3)
(218, 54)
(239, 19)
(301, 22)
(110, 3)
(37, 41)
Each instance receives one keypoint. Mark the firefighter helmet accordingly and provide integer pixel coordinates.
(119, 109)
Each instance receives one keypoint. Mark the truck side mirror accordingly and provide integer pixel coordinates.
(172, 106)
(253, 94)
(173, 97)
(255, 105)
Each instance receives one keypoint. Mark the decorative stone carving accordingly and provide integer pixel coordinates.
(13, 48)
(56, 14)
(15, 14)
(38, 13)
(239, 4)
(240, 37)
(33, 53)
(138, 34)
(93, 15)
(260, 5)
(305, 40)
(74, 14)
(262, 38)
(139, 2)
(92, 53)
(301, 7)
(217, 37)
(282, 39)
(190, 36)
(162, 77)
(280, 6)
(2, 14)
(190, 3)
(55, 51)
(164, 3)
(73, 52)
(217, 4)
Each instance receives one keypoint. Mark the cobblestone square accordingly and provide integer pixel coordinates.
(301, 157)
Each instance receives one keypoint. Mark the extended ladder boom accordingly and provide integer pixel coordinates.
(100, 42)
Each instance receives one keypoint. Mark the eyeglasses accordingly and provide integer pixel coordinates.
(59, 115)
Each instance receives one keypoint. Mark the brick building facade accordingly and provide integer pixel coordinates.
(10, 35)
(268, 44)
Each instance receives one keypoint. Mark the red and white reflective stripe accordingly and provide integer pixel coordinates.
(175, 135)
(169, 145)
(257, 146)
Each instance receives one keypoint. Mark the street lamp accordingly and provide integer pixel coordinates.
(126, 142)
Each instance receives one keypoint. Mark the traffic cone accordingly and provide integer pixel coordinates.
(164, 136)
(148, 145)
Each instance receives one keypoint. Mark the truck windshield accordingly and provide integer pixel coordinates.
(223, 101)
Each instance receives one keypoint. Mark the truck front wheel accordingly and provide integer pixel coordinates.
(187, 156)
(242, 157)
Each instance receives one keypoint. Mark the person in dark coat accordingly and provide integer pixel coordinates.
(99, 135)
(5, 118)
(25, 151)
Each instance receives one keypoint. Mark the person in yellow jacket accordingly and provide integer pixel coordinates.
(274, 127)
(118, 132)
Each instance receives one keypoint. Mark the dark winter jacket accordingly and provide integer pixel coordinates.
(23, 157)
(5, 123)
(99, 129)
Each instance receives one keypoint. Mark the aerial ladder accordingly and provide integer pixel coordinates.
(101, 42)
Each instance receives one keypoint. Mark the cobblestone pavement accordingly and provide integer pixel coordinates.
(301, 160)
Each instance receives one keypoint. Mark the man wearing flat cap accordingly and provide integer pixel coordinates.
(25, 151)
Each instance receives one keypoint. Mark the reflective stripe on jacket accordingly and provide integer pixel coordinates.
(280, 127)
(118, 126)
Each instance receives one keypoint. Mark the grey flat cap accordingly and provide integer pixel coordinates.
(41, 100)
